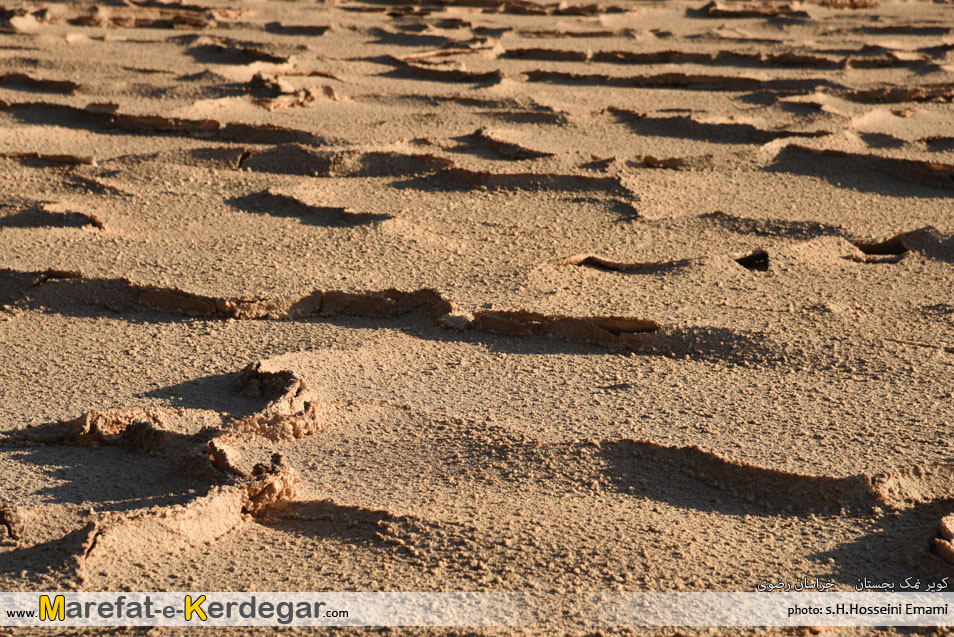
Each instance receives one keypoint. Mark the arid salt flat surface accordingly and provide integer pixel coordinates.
(479, 295)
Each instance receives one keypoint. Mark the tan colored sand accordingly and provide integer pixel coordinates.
(475, 296)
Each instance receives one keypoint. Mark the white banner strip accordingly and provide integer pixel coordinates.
(476, 609)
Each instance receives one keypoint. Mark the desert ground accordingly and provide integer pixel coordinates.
(407, 295)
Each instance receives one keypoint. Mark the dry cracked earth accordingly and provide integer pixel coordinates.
(481, 295)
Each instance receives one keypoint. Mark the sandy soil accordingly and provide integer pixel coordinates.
(639, 296)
